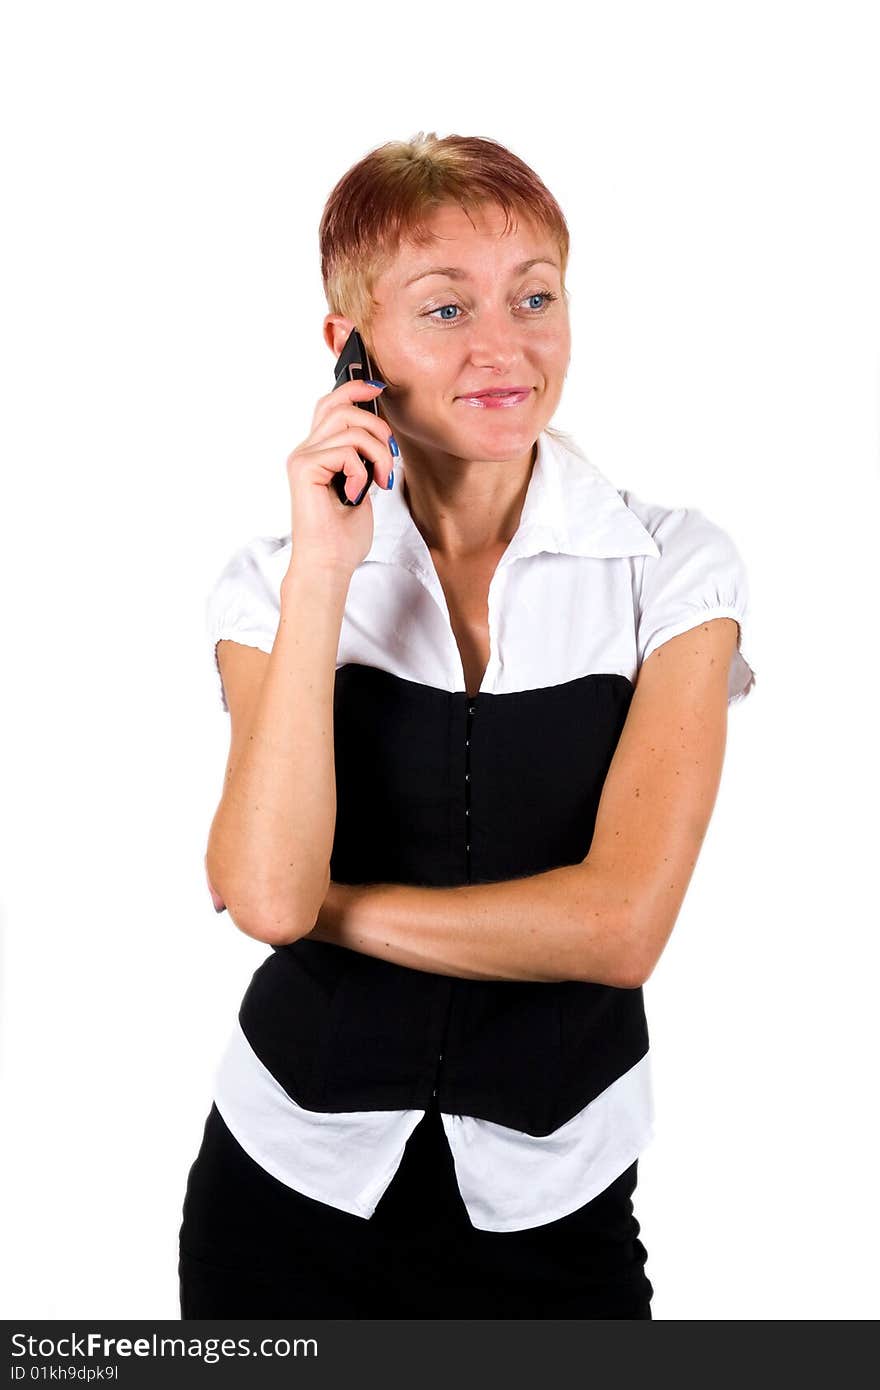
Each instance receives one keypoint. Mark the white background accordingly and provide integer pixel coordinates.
(164, 170)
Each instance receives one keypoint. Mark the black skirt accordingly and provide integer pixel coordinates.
(250, 1246)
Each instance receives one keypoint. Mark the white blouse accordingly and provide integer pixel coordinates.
(594, 580)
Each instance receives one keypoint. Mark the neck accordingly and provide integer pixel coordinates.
(463, 509)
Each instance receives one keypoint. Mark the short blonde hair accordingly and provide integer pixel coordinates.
(388, 196)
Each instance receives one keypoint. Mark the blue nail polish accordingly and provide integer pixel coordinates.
(392, 444)
(375, 383)
(391, 480)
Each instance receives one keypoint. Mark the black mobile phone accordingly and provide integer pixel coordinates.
(353, 364)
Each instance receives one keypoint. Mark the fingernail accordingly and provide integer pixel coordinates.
(391, 480)
(392, 444)
(362, 493)
(376, 383)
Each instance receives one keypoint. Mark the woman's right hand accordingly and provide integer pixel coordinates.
(325, 534)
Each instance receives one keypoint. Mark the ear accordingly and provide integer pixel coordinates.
(336, 332)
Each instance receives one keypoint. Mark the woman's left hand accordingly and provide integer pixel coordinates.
(219, 904)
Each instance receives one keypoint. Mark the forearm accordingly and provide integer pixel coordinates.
(565, 924)
(272, 836)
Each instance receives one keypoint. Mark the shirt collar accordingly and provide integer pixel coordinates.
(570, 508)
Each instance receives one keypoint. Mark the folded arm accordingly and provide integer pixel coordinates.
(537, 928)
(607, 919)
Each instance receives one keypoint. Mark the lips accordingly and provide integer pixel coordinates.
(497, 400)
(496, 391)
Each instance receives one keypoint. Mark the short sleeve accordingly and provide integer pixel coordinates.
(245, 602)
(698, 575)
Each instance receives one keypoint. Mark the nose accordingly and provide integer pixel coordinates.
(495, 342)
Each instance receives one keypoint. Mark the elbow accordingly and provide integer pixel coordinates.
(272, 928)
(265, 915)
(287, 921)
(619, 930)
(619, 965)
(274, 923)
(630, 974)
(284, 926)
(624, 972)
(631, 966)
(640, 943)
(280, 921)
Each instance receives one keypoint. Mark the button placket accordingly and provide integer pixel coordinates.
(471, 711)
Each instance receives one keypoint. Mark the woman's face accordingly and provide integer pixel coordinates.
(437, 338)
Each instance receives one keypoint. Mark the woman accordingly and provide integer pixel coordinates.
(477, 729)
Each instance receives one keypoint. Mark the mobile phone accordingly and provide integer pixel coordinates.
(353, 364)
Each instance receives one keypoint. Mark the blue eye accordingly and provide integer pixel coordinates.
(544, 295)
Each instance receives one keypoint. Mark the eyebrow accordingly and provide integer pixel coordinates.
(454, 272)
